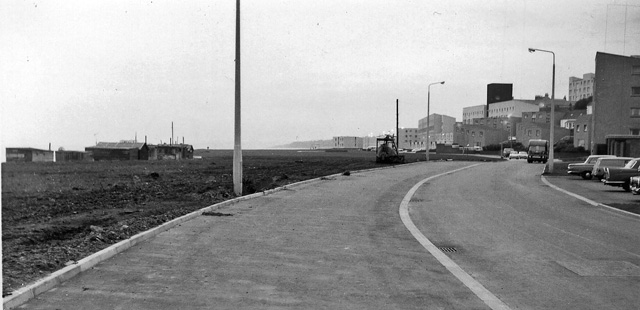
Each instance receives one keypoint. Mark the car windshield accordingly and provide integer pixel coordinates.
(536, 148)
(630, 164)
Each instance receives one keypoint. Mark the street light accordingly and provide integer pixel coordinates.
(428, 104)
(553, 104)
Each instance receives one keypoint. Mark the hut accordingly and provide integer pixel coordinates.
(28, 154)
(63, 155)
(123, 150)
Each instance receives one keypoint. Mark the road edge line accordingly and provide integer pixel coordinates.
(476, 287)
(585, 199)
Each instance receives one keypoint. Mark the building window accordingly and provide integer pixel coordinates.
(634, 131)
(481, 134)
(578, 128)
(537, 132)
(529, 132)
(473, 133)
(635, 91)
(585, 128)
(635, 112)
(635, 70)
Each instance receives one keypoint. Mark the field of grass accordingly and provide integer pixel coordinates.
(57, 213)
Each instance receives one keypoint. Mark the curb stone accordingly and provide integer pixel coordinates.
(22, 295)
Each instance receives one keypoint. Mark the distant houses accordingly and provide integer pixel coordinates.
(131, 150)
(123, 150)
(28, 154)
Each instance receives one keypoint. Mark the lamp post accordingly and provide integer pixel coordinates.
(553, 104)
(428, 105)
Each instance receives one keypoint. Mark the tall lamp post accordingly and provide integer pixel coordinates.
(428, 105)
(553, 104)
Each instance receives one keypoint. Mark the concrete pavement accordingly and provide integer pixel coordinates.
(336, 243)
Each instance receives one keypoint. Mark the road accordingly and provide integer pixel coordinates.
(340, 243)
(533, 247)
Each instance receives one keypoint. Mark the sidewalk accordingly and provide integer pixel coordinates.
(337, 243)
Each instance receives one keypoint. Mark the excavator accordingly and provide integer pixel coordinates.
(387, 151)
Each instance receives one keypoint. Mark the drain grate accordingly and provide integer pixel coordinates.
(417, 200)
(448, 249)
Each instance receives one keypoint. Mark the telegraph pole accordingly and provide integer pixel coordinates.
(237, 149)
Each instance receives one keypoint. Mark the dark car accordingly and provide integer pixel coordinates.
(621, 176)
(584, 169)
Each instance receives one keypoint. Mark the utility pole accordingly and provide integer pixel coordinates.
(397, 125)
(237, 149)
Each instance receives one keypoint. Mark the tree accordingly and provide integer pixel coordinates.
(582, 103)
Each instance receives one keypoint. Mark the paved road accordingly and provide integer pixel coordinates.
(336, 244)
(533, 247)
(341, 244)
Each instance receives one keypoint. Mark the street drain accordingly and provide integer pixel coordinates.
(212, 213)
(448, 249)
(417, 200)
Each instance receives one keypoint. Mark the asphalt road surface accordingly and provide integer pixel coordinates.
(341, 244)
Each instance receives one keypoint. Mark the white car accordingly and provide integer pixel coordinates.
(523, 155)
(514, 155)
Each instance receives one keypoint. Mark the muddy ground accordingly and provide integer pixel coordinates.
(54, 214)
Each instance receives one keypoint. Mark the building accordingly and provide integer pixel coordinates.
(473, 112)
(479, 135)
(512, 108)
(441, 129)
(536, 125)
(581, 88)
(616, 100)
(497, 92)
(347, 142)
(408, 138)
(62, 155)
(123, 150)
(28, 154)
(171, 151)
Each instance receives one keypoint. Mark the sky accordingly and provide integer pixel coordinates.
(73, 73)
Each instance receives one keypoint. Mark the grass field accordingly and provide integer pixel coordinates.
(57, 213)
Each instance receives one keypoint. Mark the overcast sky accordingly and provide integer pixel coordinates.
(76, 72)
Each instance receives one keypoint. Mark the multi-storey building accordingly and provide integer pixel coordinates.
(616, 105)
(408, 138)
(581, 88)
(473, 112)
(347, 142)
(441, 128)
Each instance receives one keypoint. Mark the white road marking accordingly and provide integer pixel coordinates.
(587, 200)
(485, 295)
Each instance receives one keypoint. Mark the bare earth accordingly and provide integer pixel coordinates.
(57, 213)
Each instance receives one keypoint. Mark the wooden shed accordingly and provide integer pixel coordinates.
(119, 151)
(174, 151)
(28, 154)
(73, 156)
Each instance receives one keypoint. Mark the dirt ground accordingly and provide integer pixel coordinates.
(54, 214)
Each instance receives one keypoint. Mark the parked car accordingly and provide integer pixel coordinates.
(522, 155)
(514, 155)
(621, 176)
(604, 162)
(634, 185)
(584, 169)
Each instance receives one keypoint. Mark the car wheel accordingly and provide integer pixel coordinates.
(626, 187)
(587, 175)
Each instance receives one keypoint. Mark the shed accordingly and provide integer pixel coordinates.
(28, 154)
(119, 151)
(73, 156)
(174, 151)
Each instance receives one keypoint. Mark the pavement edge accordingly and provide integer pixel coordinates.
(22, 295)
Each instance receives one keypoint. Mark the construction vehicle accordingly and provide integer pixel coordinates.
(387, 151)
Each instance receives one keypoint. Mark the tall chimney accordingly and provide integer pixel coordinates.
(171, 133)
